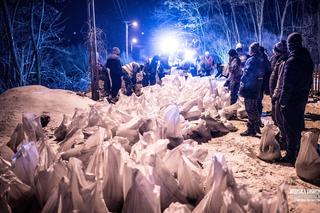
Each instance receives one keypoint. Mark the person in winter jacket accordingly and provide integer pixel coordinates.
(235, 74)
(275, 84)
(265, 85)
(129, 78)
(297, 80)
(151, 70)
(113, 64)
(250, 86)
(242, 54)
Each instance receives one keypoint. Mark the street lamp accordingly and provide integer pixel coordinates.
(129, 23)
(133, 41)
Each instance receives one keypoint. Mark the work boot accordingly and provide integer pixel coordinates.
(289, 158)
(257, 128)
(249, 132)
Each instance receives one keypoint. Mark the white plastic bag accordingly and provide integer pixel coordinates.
(269, 147)
(308, 160)
(142, 196)
(171, 117)
(177, 208)
(25, 161)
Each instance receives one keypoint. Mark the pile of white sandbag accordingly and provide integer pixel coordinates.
(115, 158)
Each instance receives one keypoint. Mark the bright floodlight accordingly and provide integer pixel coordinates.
(134, 40)
(189, 54)
(135, 24)
(169, 44)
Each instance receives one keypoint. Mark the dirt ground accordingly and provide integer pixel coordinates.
(240, 152)
(259, 176)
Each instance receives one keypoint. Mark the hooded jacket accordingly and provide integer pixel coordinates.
(297, 77)
(114, 64)
(252, 78)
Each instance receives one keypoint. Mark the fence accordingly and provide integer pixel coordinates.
(315, 89)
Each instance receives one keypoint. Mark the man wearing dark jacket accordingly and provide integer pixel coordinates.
(115, 70)
(280, 55)
(265, 85)
(275, 84)
(297, 80)
(250, 86)
(235, 74)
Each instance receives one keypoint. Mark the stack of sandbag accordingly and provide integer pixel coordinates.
(308, 160)
(223, 194)
(269, 147)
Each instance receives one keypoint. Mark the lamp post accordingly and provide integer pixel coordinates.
(129, 23)
(133, 41)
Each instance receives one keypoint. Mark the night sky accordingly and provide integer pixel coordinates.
(108, 18)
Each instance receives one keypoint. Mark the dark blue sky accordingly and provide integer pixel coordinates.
(108, 18)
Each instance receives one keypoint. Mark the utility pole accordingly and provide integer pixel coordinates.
(93, 50)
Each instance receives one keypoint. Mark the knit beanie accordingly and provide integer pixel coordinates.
(294, 41)
(280, 47)
(232, 53)
(254, 48)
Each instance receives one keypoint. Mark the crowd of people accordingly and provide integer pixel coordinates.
(286, 77)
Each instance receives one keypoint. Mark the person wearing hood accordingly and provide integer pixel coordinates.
(235, 74)
(278, 59)
(297, 81)
(115, 71)
(250, 87)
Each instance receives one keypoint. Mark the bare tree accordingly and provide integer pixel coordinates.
(31, 31)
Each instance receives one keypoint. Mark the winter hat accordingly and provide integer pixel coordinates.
(254, 48)
(281, 47)
(116, 50)
(232, 53)
(294, 41)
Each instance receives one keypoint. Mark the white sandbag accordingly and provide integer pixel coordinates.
(308, 160)
(25, 161)
(62, 130)
(12, 187)
(71, 140)
(177, 208)
(79, 121)
(142, 196)
(48, 154)
(107, 164)
(229, 111)
(93, 198)
(17, 137)
(269, 147)
(216, 182)
(229, 203)
(268, 204)
(169, 189)
(32, 126)
(242, 113)
(47, 180)
(85, 150)
(130, 130)
(190, 179)
(171, 117)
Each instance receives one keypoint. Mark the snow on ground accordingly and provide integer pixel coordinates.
(240, 152)
(39, 100)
